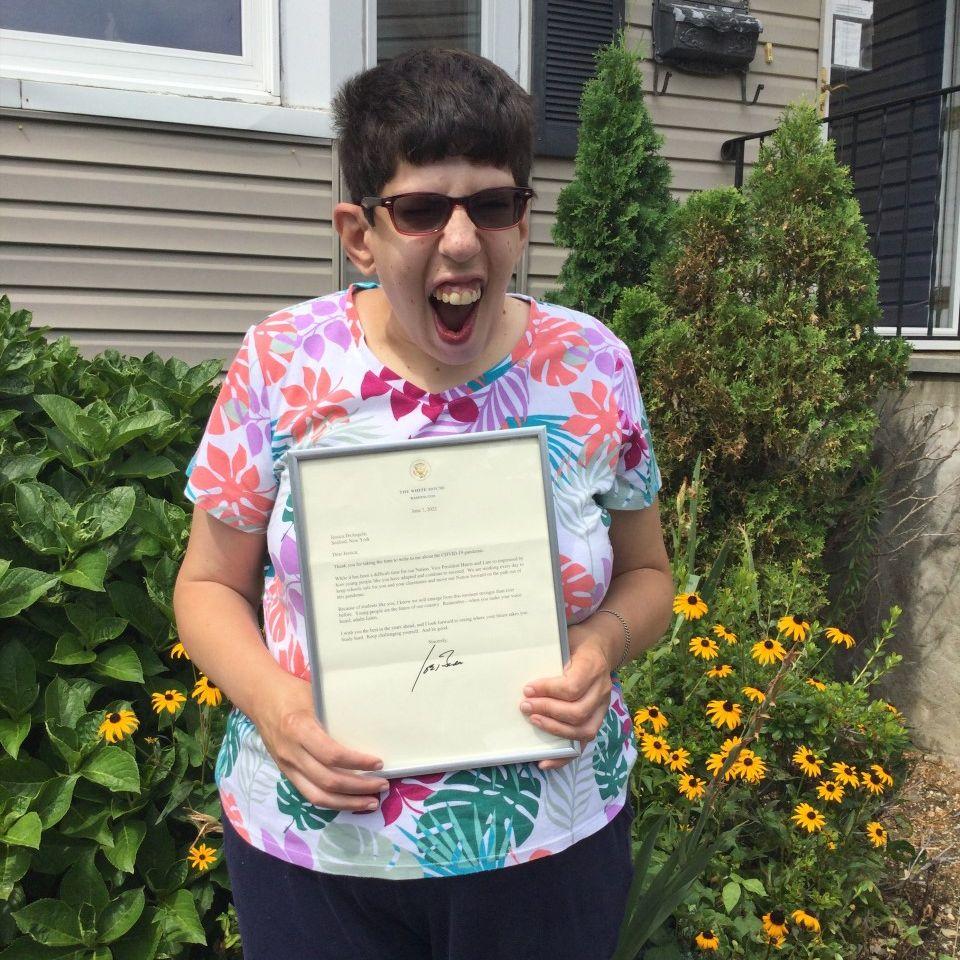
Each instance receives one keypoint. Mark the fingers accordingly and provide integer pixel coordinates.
(584, 726)
(585, 667)
(331, 800)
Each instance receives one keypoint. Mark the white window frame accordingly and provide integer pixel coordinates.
(300, 51)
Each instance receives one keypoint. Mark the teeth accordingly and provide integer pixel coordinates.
(459, 298)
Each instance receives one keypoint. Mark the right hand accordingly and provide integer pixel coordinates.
(316, 764)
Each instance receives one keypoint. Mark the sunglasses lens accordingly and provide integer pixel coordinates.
(420, 212)
(496, 209)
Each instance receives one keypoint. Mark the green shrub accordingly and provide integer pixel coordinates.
(614, 215)
(95, 835)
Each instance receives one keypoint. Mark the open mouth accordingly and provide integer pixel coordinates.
(454, 310)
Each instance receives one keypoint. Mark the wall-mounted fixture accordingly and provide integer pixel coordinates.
(708, 39)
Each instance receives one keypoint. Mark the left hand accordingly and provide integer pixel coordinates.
(573, 705)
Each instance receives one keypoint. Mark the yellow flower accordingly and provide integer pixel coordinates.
(707, 940)
(830, 791)
(807, 920)
(845, 774)
(796, 628)
(749, 767)
(178, 652)
(704, 647)
(679, 759)
(876, 834)
(752, 693)
(767, 651)
(816, 684)
(207, 693)
(654, 748)
(690, 786)
(839, 638)
(169, 700)
(775, 924)
(724, 712)
(808, 818)
(690, 605)
(724, 670)
(893, 710)
(807, 761)
(723, 633)
(717, 760)
(876, 780)
(202, 857)
(654, 715)
(117, 724)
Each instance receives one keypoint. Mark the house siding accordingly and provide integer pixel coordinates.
(144, 238)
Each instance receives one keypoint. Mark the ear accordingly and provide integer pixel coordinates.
(351, 223)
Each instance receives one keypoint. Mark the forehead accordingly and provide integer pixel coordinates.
(457, 176)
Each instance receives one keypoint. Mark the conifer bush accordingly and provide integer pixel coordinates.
(615, 213)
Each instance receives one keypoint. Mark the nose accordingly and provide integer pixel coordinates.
(459, 239)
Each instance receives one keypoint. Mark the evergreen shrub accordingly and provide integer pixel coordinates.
(107, 800)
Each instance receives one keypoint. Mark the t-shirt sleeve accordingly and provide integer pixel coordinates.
(231, 474)
(637, 477)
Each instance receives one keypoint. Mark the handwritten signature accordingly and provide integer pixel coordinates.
(444, 659)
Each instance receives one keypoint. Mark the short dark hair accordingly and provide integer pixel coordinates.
(428, 105)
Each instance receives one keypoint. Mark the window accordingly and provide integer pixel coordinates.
(404, 25)
(852, 34)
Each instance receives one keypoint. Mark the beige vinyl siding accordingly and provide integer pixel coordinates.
(696, 115)
(144, 238)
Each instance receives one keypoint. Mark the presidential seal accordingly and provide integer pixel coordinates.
(420, 469)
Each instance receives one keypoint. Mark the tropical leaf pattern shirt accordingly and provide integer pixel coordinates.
(305, 377)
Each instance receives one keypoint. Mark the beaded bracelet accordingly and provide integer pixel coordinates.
(626, 635)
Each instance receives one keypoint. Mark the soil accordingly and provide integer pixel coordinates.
(928, 813)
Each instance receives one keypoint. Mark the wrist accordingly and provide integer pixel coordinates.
(618, 635)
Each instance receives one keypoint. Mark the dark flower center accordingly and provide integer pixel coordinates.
(811, 758)
(728, 706)
(768, 644)
(811, 815)
(777, 918)
(875, 777)
(168, 696)
(798, 620)
(657, 745)
(692, 599)
(653, 712)
(747, 761)
(114, 718)
(211, 686)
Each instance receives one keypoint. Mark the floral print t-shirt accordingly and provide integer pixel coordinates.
(305, 377)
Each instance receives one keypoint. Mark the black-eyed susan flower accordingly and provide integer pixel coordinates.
(752, 693)
(807, 920)
(816, 684)
(808, 762)
(202, 857)
(894, 711)
(830, 790)
(876, 780)
(706, 940)
(678, 760)
(749, 767)
(795, 627)
(724, 713)
(845, 774)
(808, 818)
(723, 633)
(169, 700)
(690, 786)
(767, 651)
(775, 924)
(837, 637)
(724, 670)
(118, 724)
(704, 647)
(207, 693)
(652, 715)
(178, 652)
(654, 748)
(690, 605)
(876, 834)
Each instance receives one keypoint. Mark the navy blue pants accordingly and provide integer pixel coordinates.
(563, 907)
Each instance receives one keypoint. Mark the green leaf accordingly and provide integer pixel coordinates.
(87, 571)
(112, 767)
(14, 863)
(71, 651)
(63, 412)
(13, 733)
(54, 799)
(22, 586)
(82, 884)
(66, 700)
(108, 514)
(126, 842)
(31, 950)
(18, 677)
(132, 427)
(754, 886)
(142, 941)
(149, 466)
(121, 915)
(178, 919)
(731, 895)
(50, 922)
(25, 832)
(121, 663)
(25, 776)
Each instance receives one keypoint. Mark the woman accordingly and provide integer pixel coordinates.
(326, 859)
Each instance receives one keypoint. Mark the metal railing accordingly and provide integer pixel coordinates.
(897, 170)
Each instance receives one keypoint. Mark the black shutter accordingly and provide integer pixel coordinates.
(566, 35)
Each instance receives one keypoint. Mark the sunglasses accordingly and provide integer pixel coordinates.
(419, 214)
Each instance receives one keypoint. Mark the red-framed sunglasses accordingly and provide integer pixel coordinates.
(419, 214)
